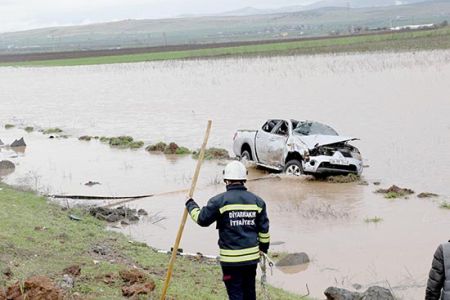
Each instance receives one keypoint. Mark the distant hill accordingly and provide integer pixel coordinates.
(248, 11)
(214, 29)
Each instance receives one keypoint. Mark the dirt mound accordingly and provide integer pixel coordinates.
(133, 276)
(138, 289)
(395, 192)
(36, 287)
(137, 283)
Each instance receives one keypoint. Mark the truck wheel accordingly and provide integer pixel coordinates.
(246, 156)
(293, 167)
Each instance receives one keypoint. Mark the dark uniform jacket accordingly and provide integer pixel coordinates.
(242, 223)
(436, 277)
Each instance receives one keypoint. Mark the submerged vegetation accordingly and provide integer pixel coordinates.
(213, 153)
(123, 141)
(373, 220)
(9, 126)
(445, 204)
(344, 178)
(54, 130)
(38, 238)
(29, 129)
(171, 148)
(395, 192)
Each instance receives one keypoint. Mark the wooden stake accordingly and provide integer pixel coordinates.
(185, 213)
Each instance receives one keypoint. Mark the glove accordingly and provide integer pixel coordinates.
(188, 201)
(264, 247)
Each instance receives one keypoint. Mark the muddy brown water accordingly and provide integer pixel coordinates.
(397, 103)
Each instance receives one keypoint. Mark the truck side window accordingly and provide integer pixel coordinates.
(282, 129)
(269, 125)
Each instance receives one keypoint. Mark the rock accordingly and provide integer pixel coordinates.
(133, 218)
(427, 195)
(376, 183)
(125, 222)
(334, 293)
(138, 289)
(142, 212)
(40, 287)
(293, 260)
(7, 272)
(113, 218)
(91, 183)
(7, 165)
(74, 270)
(357, 286)
(372, 293)
(18, 143)
(377, 293)
(67, 282)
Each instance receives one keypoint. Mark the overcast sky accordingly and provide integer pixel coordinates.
(26, 14)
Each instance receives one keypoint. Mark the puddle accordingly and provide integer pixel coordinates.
(381, 98)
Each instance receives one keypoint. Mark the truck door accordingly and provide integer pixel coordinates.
(262, 140)
(276, 145)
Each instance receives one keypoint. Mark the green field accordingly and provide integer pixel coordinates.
(38, 238)
(402, 41)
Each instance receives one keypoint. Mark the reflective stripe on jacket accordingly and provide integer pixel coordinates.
(242, 223)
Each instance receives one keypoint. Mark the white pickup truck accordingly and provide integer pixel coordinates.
(298, 147)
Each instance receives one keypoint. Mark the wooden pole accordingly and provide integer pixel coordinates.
(185, 213)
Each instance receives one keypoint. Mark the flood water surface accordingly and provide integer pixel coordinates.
(397, 104)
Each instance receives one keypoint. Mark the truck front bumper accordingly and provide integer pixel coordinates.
(333, 166)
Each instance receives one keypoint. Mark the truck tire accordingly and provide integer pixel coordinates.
(246, 156)
(293, 167)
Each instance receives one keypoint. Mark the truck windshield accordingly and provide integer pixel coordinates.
(311, 128)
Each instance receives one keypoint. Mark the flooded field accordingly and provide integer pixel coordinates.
(398, 104)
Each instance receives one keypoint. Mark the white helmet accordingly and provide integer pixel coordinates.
(235, 170)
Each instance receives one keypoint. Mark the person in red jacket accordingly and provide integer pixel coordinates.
(243, 225)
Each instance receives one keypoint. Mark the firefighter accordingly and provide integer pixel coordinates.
(243, 226)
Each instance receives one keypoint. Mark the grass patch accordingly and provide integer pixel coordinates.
(29, 129)
(86, 138)
(394, 192)
(123, 142)
(9, 126)
(395, 41)
(54, 130)
(213, 153)
(445, 204)
(158, 147)
(171, 148)
(38, 238)
(373, 220)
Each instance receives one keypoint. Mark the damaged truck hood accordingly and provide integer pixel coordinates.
(313, 141)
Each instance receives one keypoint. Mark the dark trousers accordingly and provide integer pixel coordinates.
(240, 282)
